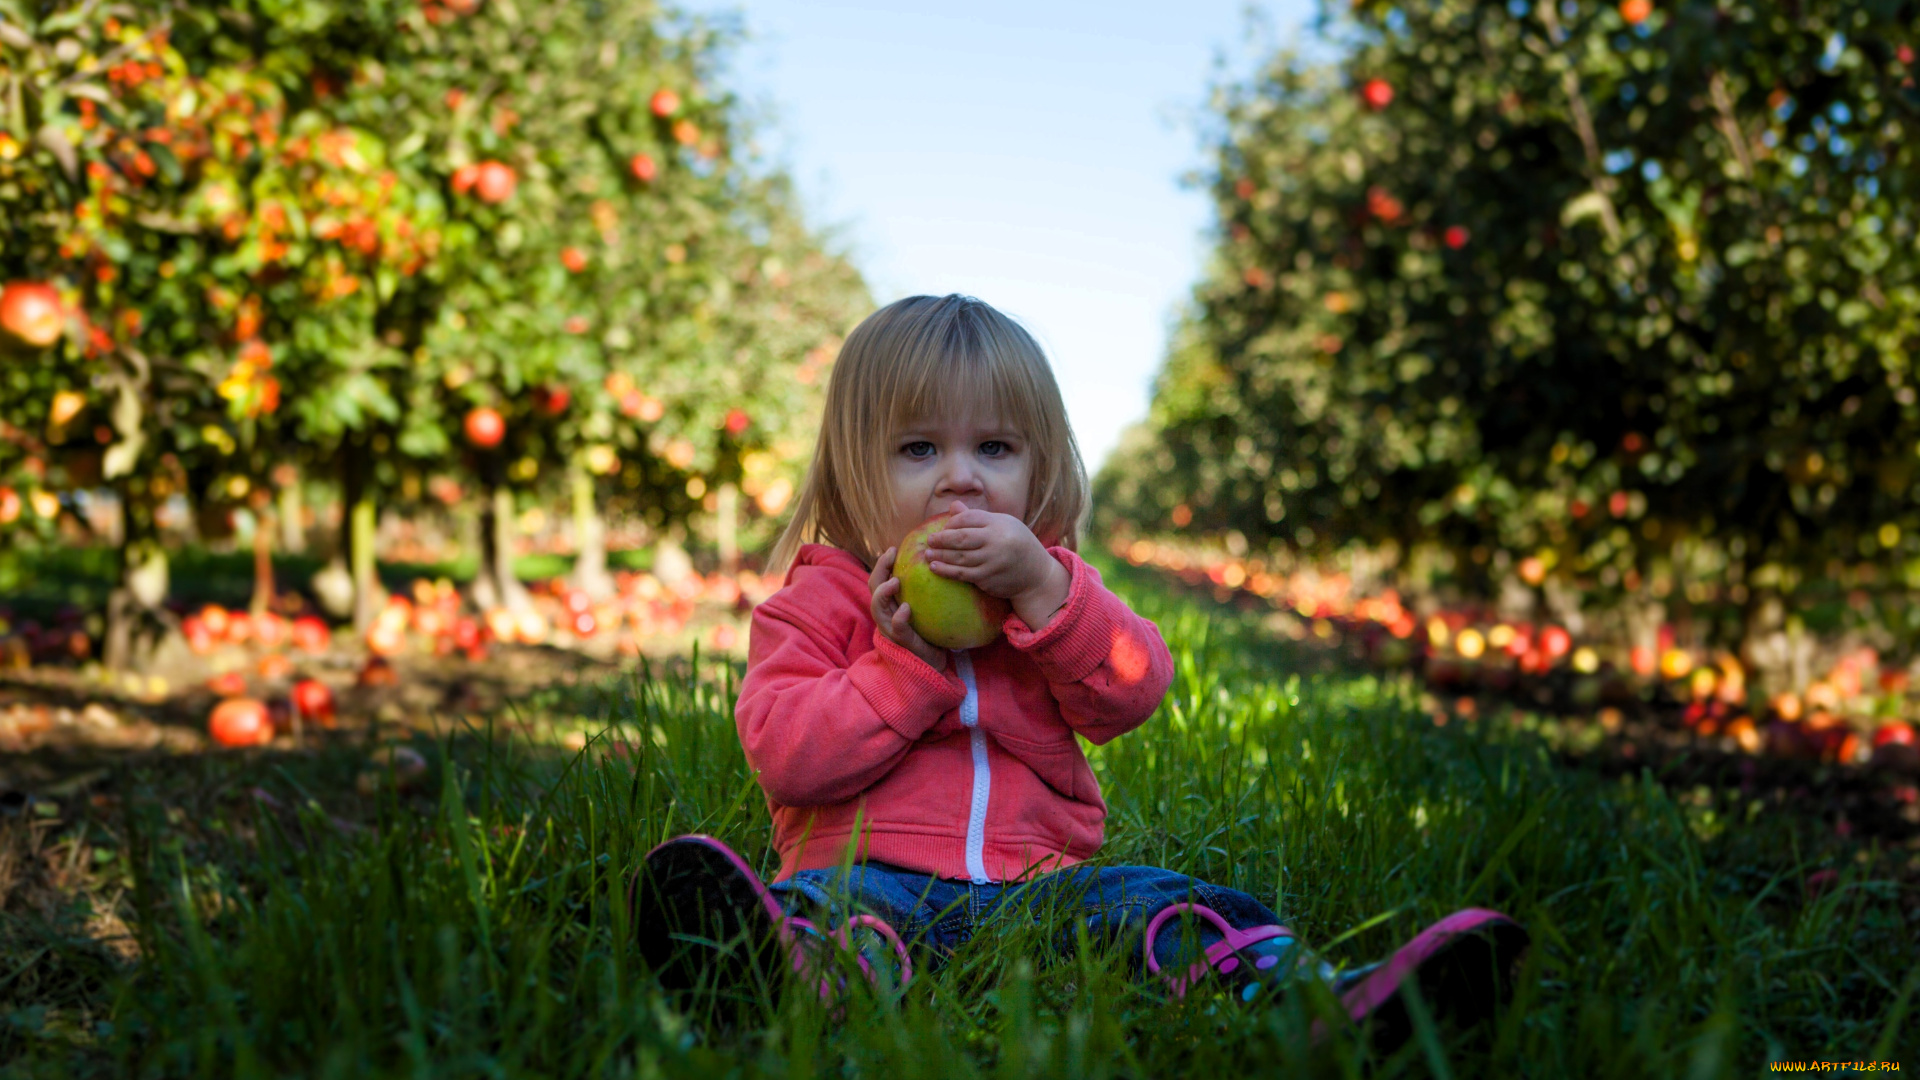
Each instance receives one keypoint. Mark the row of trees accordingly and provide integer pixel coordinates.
(1595, 293)
(497, 246)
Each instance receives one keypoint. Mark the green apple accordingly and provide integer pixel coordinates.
(949, 614)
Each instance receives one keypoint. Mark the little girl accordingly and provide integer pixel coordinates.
(917, 793)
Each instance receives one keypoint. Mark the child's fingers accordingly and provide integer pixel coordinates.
(957, 539)
(955, 571)
(882, 568)
(966, 519)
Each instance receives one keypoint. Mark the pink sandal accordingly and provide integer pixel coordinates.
(700, 911)
(1463, 967)
(1222, 956)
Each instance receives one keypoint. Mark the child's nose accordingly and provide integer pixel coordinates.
(959, 477)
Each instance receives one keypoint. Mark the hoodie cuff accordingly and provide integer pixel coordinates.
(1080, 635)
(905, 693)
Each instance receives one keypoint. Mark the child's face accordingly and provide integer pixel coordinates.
(976, 460)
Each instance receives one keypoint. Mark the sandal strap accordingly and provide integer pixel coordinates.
(1221, 956)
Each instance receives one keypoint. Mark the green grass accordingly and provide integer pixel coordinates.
(480, 932)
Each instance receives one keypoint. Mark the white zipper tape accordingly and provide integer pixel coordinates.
(982, 772)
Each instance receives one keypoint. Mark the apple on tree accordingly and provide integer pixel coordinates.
(30, 312)
(494, 183)
(485, 427)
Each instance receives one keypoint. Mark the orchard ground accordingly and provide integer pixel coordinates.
(304, 909)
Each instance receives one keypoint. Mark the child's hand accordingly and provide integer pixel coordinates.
(1000, 556)
(895, 618)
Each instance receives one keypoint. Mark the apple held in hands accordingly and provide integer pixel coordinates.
(949, 614)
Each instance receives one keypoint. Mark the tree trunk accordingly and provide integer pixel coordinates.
(357, 534)
(133, 619)
(262, 562)
(589, 536)
(728, 509)
(293, 532)
(495, 585)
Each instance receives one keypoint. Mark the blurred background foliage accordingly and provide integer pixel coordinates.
(1614, 301)
(296, 241)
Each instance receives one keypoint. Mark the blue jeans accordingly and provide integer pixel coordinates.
(1114, 903)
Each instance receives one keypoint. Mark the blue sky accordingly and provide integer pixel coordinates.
(1028, 153)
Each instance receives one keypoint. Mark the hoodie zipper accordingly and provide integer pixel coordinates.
(982, 772)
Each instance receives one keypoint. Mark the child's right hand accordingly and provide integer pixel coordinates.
(894, 618)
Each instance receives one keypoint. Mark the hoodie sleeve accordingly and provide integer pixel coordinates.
(1106, 666)
(817, 728)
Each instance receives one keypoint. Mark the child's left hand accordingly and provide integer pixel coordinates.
(999, 555)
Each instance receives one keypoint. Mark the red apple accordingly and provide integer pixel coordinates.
(311, 634)
(199, 639)
(240, 722)
(737, 421)
(1377, 94)
(30, 311)
(1636, 12)
(314, 701)
(644, 168)
(573, 259)
(485, 428)
(584, 624)
(1456, 236)
(464, 178)
(495, 182)
(9, 505)
(216, 619)
(228, 684)
(1897, 733)
(274, 666)
(1556, 641)
(552, 400)
(665, 103)
(378, 672)
(270, 630)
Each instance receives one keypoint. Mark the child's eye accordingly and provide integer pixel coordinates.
(918, 449)
(993, 448)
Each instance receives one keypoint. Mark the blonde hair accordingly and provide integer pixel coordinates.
(917, 358)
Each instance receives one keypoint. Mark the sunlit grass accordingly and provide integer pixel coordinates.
(482, 931)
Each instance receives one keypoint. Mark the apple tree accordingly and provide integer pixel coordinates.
(1611, 295)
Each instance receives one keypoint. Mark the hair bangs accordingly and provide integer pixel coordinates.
(932, 357)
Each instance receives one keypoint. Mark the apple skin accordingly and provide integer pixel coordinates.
(485, 428)
(30, 311)
(240, 722)
(949, 614)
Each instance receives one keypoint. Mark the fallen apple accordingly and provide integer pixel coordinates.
(311, 634)
(949, 614)
(240, 722)
(1897, 733)
(314, 701)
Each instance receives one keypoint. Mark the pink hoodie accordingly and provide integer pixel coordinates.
(971, 772)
